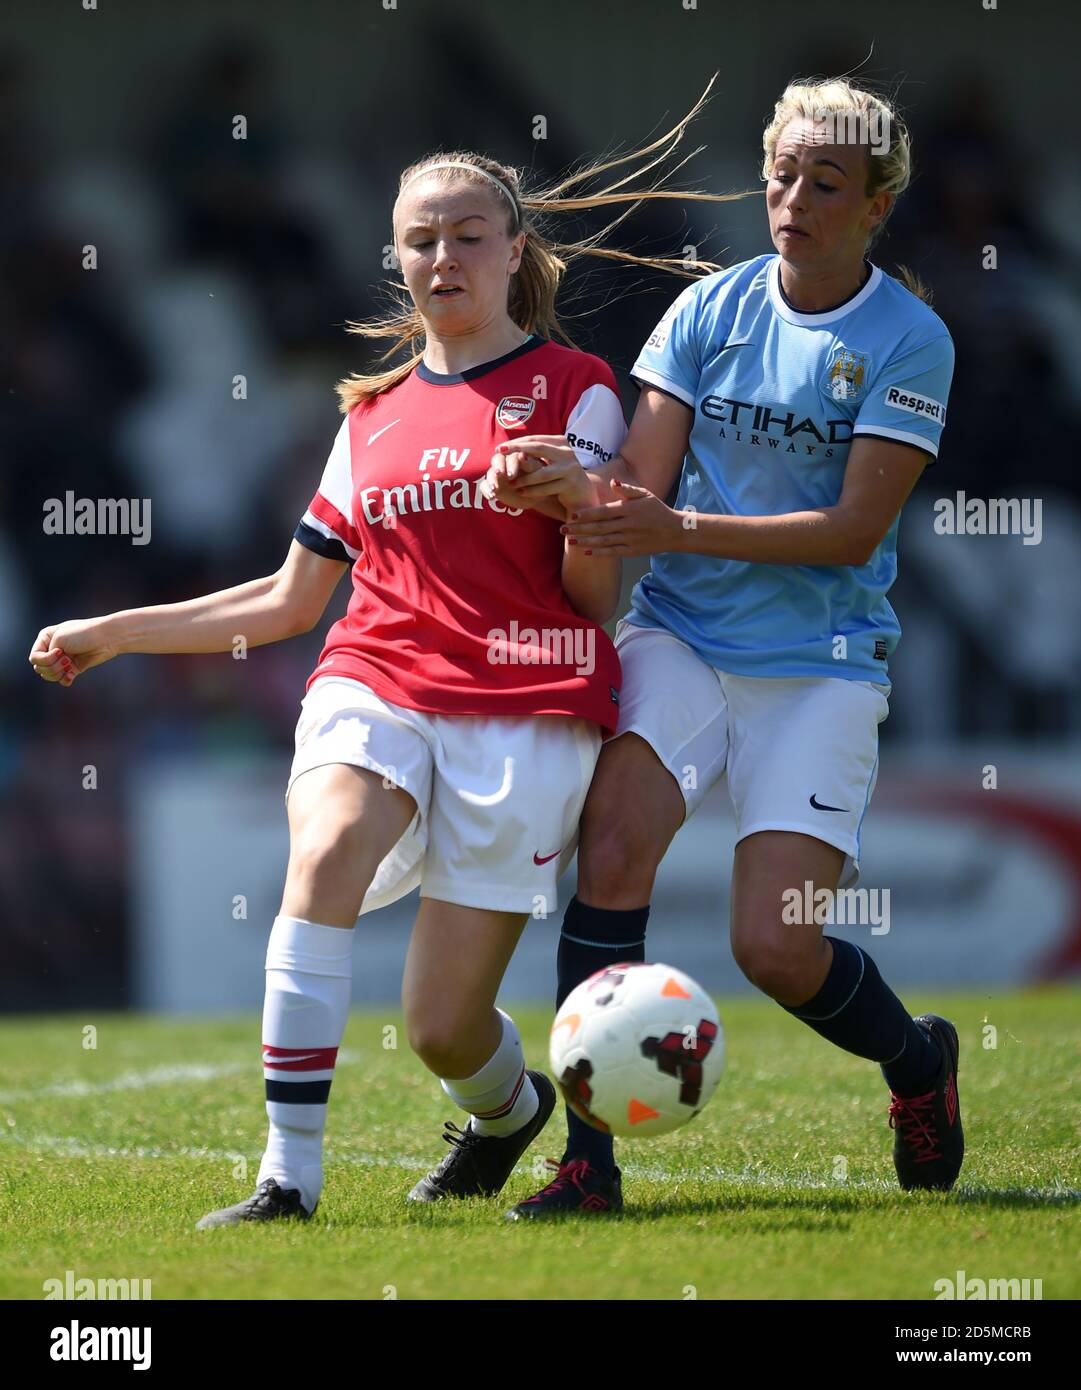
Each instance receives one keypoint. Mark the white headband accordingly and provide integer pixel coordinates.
(460, 164)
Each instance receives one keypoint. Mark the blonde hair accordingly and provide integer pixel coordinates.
(888, 172)
(532, 295)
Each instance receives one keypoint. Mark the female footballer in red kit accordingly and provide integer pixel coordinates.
(452, 724)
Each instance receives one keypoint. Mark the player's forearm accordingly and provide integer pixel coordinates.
(592, 583)
(255, 611)
(617, 467)
(825, 537)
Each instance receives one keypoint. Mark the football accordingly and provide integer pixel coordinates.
(637, 1049)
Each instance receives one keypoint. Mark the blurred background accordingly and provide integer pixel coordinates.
(217, 257)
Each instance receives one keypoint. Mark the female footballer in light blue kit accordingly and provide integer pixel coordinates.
(797, 398)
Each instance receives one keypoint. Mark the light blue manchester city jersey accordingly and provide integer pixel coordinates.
(778, 395)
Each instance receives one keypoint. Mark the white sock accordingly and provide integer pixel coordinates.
(309, 969)
(500, 1096)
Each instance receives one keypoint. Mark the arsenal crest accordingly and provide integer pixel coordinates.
(514, 410)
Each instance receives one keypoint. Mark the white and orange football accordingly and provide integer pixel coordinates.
(637, 1049)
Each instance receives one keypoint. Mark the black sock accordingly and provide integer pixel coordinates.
(858, 1011)
(592, 938)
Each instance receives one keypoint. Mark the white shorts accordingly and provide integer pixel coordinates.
(801, 753)
(498, 799)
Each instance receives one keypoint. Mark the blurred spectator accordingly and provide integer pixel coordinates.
(221, 158)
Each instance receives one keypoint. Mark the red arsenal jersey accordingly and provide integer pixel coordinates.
(458, 604)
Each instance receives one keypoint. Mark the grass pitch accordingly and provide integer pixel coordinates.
(782, 1188)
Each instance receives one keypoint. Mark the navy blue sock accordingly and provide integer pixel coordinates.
(592, 938)
(858, 1011)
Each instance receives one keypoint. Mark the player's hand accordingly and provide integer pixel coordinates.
(65, 650)
(538, 468)
(506, 473)
(634, 522)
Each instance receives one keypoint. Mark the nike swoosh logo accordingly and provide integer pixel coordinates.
(538, 860)
(373, 437)
(819, 807)
(733, 345)
(280, 1061)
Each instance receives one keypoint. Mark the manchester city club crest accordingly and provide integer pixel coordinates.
(514, 410)
(847, 374)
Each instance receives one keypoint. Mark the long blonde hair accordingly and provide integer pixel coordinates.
(531, 300)
(888, 172)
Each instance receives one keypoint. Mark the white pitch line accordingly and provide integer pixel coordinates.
(128, 1081)
(176, 1074)
(67, 1146)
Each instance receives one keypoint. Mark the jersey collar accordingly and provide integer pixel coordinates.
(470, 374)
(785, 311)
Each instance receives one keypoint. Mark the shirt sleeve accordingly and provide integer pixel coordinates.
(671, 358)
(327, 527)
(595, 427)
(908, 399)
